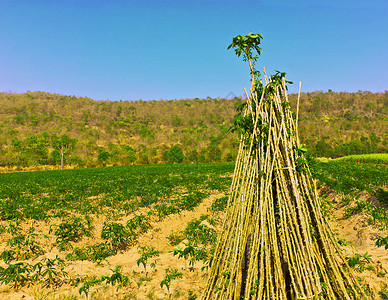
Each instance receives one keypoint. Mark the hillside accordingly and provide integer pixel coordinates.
(141, 132)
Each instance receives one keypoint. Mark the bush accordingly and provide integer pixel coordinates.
(175, 154)
(116, 234)
(72, 229)
(103, 156)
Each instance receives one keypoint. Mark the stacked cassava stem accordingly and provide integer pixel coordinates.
(275, 242)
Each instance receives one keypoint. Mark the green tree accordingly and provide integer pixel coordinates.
(144, 158)
(103, 157)
(175, 154)
(63, 144)
(322, 148)
(176, 121)
(375, 140)
(130, 154)
(55, 157)
(214, 154)
(193, 156)
(33, 150)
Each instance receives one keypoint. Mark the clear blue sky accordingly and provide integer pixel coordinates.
(173, 49)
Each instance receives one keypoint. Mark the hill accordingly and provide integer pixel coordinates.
(189, 130)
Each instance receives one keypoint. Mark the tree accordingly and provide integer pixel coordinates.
(214, 153)
(193, 156)
(32, 150)
(103, 157)
(55, 157)
(130, 154)
(375, 140)
(175, 154)
(322, 148)
(64, 145)
(11, 135)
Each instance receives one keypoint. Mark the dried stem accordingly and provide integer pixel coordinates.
(275, 242)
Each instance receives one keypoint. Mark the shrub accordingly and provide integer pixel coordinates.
(175, 154)
(116, 234)
(95, 253)
(72, 229)
(219, 204)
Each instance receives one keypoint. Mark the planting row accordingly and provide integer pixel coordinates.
(47, 194)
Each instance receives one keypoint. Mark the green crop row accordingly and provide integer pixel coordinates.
(77, 197)
(46, 194)
(366, 158)
(349, 176)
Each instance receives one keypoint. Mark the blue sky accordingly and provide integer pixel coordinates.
(175, 49)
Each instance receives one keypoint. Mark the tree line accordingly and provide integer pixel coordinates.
(38, 128)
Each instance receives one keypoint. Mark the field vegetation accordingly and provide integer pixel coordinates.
(148, 232)
(52, 221)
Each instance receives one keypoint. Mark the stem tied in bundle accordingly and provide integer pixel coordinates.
(275, 242)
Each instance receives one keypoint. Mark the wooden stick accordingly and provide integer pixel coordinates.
(297, 114)
(274, 223)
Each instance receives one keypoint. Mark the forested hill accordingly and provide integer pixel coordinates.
(35, 127)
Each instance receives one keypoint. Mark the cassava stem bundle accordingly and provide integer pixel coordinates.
(275, 242)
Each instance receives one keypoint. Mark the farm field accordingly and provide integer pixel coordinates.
(147, 232)
(362, 158)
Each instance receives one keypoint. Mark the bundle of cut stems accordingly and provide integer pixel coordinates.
(275, 242)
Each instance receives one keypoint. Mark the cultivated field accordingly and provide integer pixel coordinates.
(147, 232)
